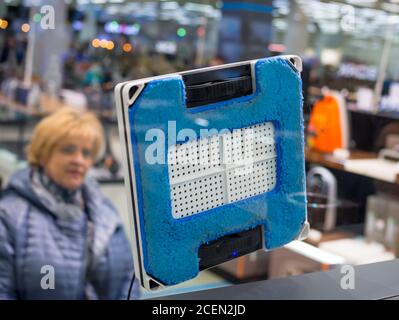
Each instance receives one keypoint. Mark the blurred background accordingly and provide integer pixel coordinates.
(73, 52)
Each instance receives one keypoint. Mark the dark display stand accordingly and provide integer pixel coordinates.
(373, 281)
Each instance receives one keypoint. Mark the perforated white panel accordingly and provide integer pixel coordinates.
(222, 169)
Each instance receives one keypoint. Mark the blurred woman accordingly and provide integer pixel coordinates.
(60, 238)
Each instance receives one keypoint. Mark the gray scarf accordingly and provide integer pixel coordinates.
(65, 204)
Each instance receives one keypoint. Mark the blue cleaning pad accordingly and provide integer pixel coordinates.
(170, 246)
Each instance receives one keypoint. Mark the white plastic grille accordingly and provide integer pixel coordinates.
(222, 169)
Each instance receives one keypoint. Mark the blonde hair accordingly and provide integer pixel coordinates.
(64, 123)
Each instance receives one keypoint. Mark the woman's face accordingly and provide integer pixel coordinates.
(70, 161)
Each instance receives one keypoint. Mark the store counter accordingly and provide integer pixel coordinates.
(352, 164)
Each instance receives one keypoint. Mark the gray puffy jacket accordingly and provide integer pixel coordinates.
(37, 244)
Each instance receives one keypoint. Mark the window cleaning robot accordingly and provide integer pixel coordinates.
(200, 207)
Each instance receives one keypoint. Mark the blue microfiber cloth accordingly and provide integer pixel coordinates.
(170, 246)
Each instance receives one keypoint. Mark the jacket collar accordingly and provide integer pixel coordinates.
(103, 215)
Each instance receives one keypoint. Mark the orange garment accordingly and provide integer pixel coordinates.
(324, 130)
